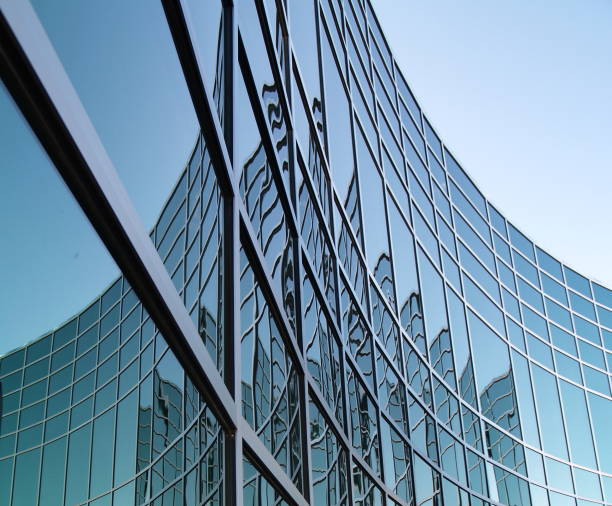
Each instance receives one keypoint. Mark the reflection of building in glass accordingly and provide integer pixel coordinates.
(379, 333)
(109, 365)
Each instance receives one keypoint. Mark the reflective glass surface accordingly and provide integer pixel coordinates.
(378, 332)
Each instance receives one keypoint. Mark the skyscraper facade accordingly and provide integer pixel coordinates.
(241, 267)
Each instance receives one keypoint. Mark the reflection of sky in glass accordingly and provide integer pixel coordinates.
(490, 353)
(51, 261)
(132, 88)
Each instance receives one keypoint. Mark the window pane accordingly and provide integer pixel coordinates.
(97, 340)
(151, 134)
(549, 411)
(494, 377)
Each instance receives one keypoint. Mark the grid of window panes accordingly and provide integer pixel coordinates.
(100, 408)
(400, 341)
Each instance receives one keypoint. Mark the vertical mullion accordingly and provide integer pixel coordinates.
(233, 472)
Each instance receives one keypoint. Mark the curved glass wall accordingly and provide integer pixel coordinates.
(386, 335)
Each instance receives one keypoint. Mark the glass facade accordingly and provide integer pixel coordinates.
(258, 276)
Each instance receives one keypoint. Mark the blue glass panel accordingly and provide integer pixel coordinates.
(476, 297)
(535, 322)
(506, 275)
(26, 466)
(540, 351)
(596, 380)
(559, 475)
(591, 354)
(470, 213)
(558, 314)
(474, 241)
(568, 367)
(451, 270)
(515, 334)
(525, 268)
(525, 399)
(493, 377)
(498, 221)
(461, 347)
(587, 330)
(605, 316)
(587, 484)
(502, 248)
(601, 414)
(582, 306)
(530, 295)
(602, 295)
(549, 411)
(535, 466)
(564, 340)
(555, 290)
(466, 184)
(432, 290)
(426, 236)
(511, 304)
(523, 244)
(52, 475)
(577, 282)
(549, 264)
(475, 268)
(578, 425)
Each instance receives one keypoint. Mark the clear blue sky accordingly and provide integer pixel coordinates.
(521, 92)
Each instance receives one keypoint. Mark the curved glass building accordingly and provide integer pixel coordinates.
(258, 276)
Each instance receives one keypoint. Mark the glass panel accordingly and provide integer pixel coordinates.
(205, 20)
(601, 414)
(434, 305)
(26, 465)
(397, 462)
(568, 367)
(523, 244)
(162, 162)
(365, 491)
(110, 86)
(451, 456)
(72, 352)
(257, 491)
(303, 27)
(549, 264)
(494, 377)
(587, 484)
(549, 412)
(577, 282)
(465, 183)
(322, 350)
(602, 294)
(102, 453)
(261, 197)
(559, 475)
(391, 392)
(126, 438)
(363, 422)
(337, 113)
(373, 205)
(427, 484)
(270, 393)
(535, 466)
(529, 421)
(477, 298)
(554, 289)
(404, 262)
(328, 460)
(461, 348)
